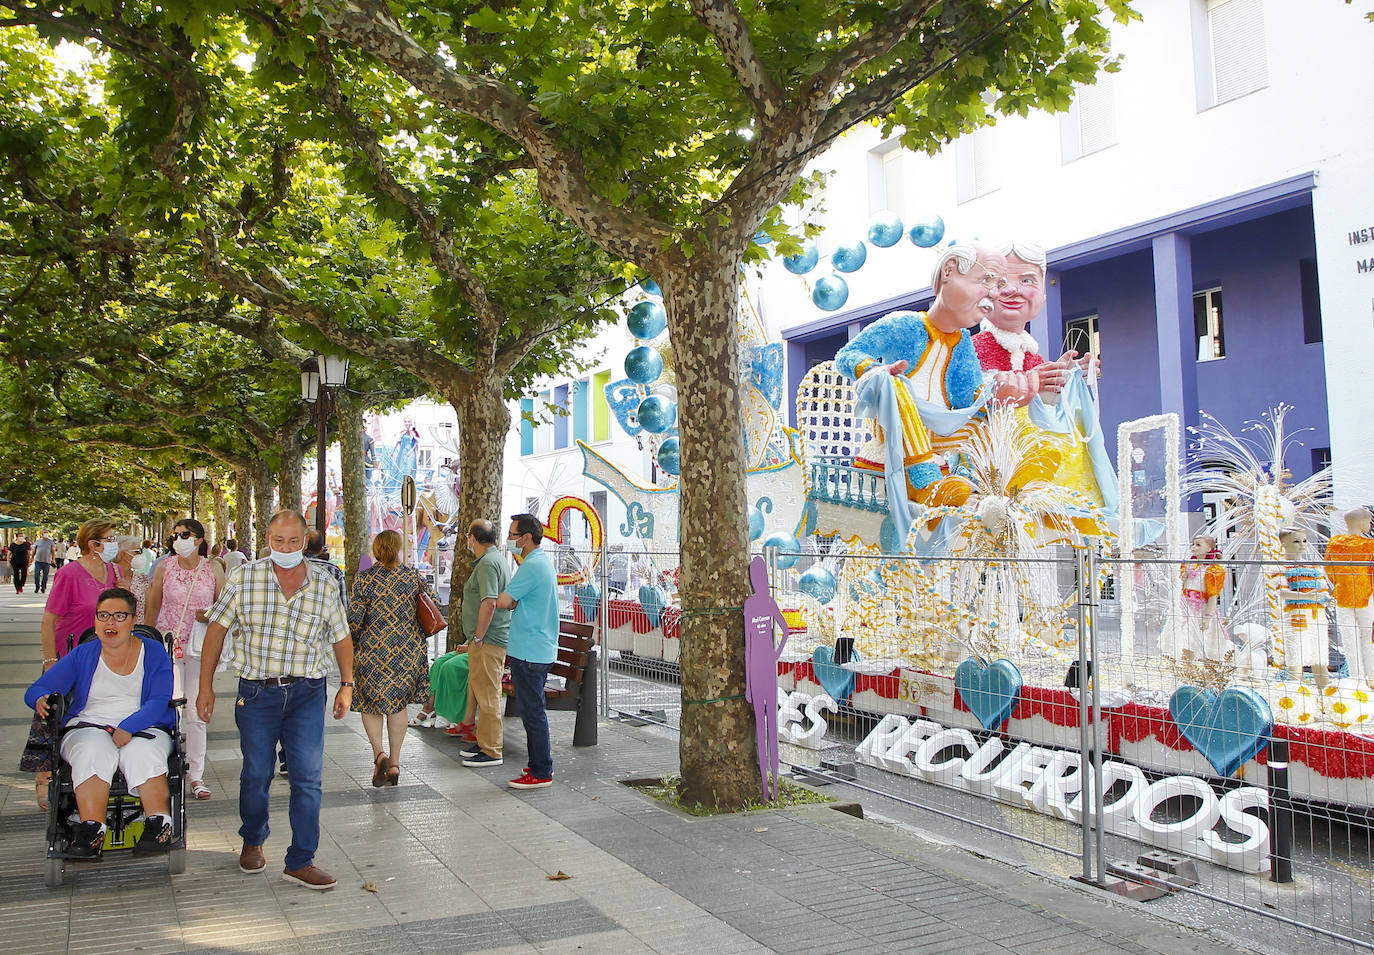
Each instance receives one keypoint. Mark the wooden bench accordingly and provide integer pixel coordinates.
(575, 689)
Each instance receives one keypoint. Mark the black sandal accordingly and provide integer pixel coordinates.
(88, 840)
(156, 837)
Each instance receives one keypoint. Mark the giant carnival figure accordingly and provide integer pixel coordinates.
(1062, 406)
(917, 375)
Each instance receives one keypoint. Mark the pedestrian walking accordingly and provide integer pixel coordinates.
(532, 595)
(287, 618)
(392, 654)
(487, 631)
(233, 557)
(59, 553)
(68, 613)
(20, 558)
(73, 549)
(42, 562)
(181, 594)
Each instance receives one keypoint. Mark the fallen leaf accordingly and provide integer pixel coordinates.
(370, 886)
(761, 829)
(558, 876)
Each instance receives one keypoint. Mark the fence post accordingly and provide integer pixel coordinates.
(1083, 713)
(603, 655)
(1280, 814)
(1090, 612)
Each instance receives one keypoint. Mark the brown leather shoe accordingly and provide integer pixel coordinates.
(312, 877)
(251, 859)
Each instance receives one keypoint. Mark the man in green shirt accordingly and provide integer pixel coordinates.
(487, 631)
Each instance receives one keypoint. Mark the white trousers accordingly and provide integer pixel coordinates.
(1357, 637)
(186, 682)
(90, 751)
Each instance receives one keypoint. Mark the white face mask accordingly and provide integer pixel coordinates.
(109, 552)
(514, 547)
(185, 547)
(286, 559)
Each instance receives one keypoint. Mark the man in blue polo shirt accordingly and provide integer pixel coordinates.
(532, 596)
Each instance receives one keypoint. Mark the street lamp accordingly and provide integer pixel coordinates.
(191, 476)
(321, 375)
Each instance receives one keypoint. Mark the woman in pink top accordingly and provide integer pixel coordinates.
(183, 588)
(70, 610)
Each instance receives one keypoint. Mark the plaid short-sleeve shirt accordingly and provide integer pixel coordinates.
(275, 636)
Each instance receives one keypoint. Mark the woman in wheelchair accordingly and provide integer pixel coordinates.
(120, 717)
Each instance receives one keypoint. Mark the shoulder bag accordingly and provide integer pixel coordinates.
(427, 613)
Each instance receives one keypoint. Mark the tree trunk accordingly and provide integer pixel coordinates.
(356, 536)
(221, 510)
(243, 508)
(483, 421)
(718, 753)
(289, 477)
(263, 507)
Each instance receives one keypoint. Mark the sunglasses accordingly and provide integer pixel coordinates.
(104, 616)
(184, 535)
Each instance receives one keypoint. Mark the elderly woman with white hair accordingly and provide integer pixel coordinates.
(130, 548)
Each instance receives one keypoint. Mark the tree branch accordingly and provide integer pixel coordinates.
(731, 32)
(369, 25)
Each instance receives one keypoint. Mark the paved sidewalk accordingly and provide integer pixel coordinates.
(460, 864)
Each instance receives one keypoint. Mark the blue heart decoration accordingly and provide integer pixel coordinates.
(1227, 728)
(990, 692)
(653, 599)
(833, 678)
(589, 600)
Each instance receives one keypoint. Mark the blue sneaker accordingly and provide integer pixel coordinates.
(480, 758)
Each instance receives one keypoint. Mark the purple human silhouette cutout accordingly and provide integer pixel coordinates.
(761, 611)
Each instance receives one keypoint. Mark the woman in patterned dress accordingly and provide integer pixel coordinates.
(391, 655)
(184, 587)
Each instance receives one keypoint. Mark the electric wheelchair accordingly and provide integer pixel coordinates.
(124, 814)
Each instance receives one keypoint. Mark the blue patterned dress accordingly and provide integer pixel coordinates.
(391, 654)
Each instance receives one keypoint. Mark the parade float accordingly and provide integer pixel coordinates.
(945, 514)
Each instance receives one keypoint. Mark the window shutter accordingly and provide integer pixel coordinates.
(1097, 114)
(1239, 64)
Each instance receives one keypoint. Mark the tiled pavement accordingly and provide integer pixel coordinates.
(460, 864)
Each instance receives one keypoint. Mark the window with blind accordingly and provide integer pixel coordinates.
(886, 183)
(1234, 51)
(1090, 124)
(978, 170)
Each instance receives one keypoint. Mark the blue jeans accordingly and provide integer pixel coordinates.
(528, 679)
(40, 575)
(294, 716)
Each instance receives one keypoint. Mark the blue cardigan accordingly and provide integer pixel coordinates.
(74, 672)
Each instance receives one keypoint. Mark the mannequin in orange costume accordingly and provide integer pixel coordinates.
(1201, 633)
(1353, 588)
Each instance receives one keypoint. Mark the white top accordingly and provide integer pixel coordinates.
(113, 698)
(73, 553)
(233, 560)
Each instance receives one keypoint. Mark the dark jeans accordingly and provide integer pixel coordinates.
(294, 716)
(40, 576)
(528, 679)
(21, 574)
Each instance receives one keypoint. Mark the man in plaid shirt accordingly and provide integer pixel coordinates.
(288, 619)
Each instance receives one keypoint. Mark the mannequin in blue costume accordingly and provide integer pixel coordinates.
(944, 380)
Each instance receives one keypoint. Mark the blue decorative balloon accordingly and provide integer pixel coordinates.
(670, 456)
(647, 320)
(885, 229)
(830, 293)
(656, 414)
(804, 261)
(755, 523)
(643, 365)
(926, 233)
(650, 287)
(851, 257)
(819, 583)
(787, 547)
(762, 238)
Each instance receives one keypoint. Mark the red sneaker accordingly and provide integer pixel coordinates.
(530, 781)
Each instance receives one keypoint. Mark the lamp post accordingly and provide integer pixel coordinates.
(320, 376)
(191, 476)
